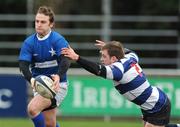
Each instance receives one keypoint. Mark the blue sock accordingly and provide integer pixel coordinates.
(57, 125)
(39, 121)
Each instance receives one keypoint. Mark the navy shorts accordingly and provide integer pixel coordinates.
(159, 118)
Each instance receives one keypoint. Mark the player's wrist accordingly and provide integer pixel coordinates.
(76, 57)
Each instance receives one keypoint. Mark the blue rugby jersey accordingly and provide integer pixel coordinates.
(131, 82)
(43, 53)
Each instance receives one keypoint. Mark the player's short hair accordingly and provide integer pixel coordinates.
(114, 48)
(48, 12)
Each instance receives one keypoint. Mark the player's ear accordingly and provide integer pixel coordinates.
(52, 25)
(114, 59)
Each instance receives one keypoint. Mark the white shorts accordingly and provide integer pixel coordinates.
(62, 93)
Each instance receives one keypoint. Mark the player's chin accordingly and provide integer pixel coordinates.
(39, 31)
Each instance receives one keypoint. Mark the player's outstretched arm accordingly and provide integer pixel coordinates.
(90, 66)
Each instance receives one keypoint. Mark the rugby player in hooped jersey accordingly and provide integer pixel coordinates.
(40, 52)
(121, 66)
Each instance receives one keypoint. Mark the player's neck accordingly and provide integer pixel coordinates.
(43, 37)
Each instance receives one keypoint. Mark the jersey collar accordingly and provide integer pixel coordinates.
(43, 38)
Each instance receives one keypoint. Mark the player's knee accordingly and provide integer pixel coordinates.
(32, 111)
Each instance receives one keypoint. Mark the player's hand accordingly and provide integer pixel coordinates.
(56, 79)
(32, 81)
(99, 44)
(70, 53)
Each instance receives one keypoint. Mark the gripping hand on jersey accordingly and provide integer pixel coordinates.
(70, 53)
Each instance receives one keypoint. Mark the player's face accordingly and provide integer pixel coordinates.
(105, 58)
(42, 24)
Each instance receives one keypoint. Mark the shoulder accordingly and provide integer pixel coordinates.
(118, 65)
(56, 35)
(132, 55)
(28, 42)
(57, 38)
(30, 39)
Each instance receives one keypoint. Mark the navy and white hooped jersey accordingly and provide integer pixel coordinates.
(131, 82)
(43, 53)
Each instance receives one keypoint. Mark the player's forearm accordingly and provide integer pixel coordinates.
(24, 68)
(92, 67)
(63, 65)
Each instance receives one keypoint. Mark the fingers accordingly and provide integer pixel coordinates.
(67, 51)
(56, 86)
(64, 51)
(99, 43)
(32, 81)
(56, 79)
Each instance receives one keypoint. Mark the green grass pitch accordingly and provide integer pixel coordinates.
(15, 122)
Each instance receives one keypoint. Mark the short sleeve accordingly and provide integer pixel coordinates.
(59, 44)
(25, 52)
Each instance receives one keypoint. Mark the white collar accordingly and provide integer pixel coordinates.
(43, 38)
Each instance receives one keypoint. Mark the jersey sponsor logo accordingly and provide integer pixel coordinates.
(46, 64)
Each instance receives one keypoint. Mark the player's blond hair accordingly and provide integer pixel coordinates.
(48, 12)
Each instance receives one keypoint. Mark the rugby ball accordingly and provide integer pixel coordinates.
(44, 86)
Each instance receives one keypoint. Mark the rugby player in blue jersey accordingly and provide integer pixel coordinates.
(121, 66)
(40, 55)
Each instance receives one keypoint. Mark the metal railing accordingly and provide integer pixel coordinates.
(79, 32)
